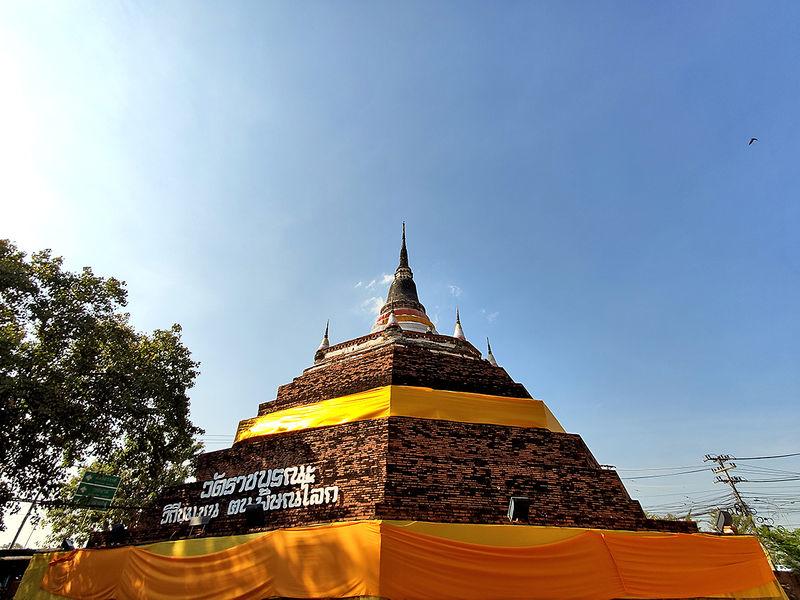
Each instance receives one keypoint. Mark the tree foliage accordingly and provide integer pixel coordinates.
(144, 471)
(79, 385)
(668, 516)
(783, 545)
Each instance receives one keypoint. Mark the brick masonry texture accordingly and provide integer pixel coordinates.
(396, 364)
(418, 469)
(466, 472)
(351, 456)
(414, 469)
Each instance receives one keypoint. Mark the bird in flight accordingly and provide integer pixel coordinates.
(750, 143)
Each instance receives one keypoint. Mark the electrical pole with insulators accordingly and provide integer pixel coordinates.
(726, 465)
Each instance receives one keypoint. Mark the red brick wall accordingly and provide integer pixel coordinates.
(340, 378)
(418, 469)
(351, 456)
(462, 472)
(417, 366)
(398, 364)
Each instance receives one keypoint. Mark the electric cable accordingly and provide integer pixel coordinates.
(765, 457)
(665, 474)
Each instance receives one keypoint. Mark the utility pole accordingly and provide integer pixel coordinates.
(25, 519)
(723, 476)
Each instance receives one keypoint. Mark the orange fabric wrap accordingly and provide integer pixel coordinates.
(404, 401)
(323, 562)
(681, 566)
(374, 558)
(417, 566)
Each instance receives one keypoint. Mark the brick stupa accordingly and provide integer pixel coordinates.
(395, 467)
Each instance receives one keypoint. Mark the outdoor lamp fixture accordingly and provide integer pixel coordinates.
(199, 521)
(724, 522)
(518, 508)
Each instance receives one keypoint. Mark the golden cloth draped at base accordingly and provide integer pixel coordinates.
(416, 561)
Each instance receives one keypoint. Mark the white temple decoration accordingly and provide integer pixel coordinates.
(458, 332)
(325, 343)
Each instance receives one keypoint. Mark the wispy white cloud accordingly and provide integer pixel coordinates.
(491, 316)
(372, 305)
(455, 290)
(377, 296)
(383, 280)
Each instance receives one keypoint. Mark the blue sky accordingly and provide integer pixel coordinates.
(574, 175)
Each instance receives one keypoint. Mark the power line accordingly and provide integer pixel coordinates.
(765, 457)
(661, 468)
(58, 503)
(681, 493)
(630, 469)
(663, 474)
(773, 480)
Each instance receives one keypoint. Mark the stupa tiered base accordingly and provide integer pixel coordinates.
(386, 470)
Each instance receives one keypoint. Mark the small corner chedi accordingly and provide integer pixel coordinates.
(403, 465)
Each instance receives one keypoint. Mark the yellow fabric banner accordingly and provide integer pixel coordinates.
(404, 401)
(400, 562)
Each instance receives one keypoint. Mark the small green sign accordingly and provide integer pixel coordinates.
(96, 489)
(89, 501)
(101, 479)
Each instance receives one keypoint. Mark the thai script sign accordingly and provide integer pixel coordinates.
(264, 480)
(175, 513)
(266, 487)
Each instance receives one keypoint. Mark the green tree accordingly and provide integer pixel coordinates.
(783, 545)
(80, 386)
(668, 516)
(144, 466)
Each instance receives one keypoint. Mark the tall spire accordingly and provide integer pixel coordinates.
(403, 288)
(402, 299)
(325, 343)
(458, 332)
(403, 251)
(490, 357)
